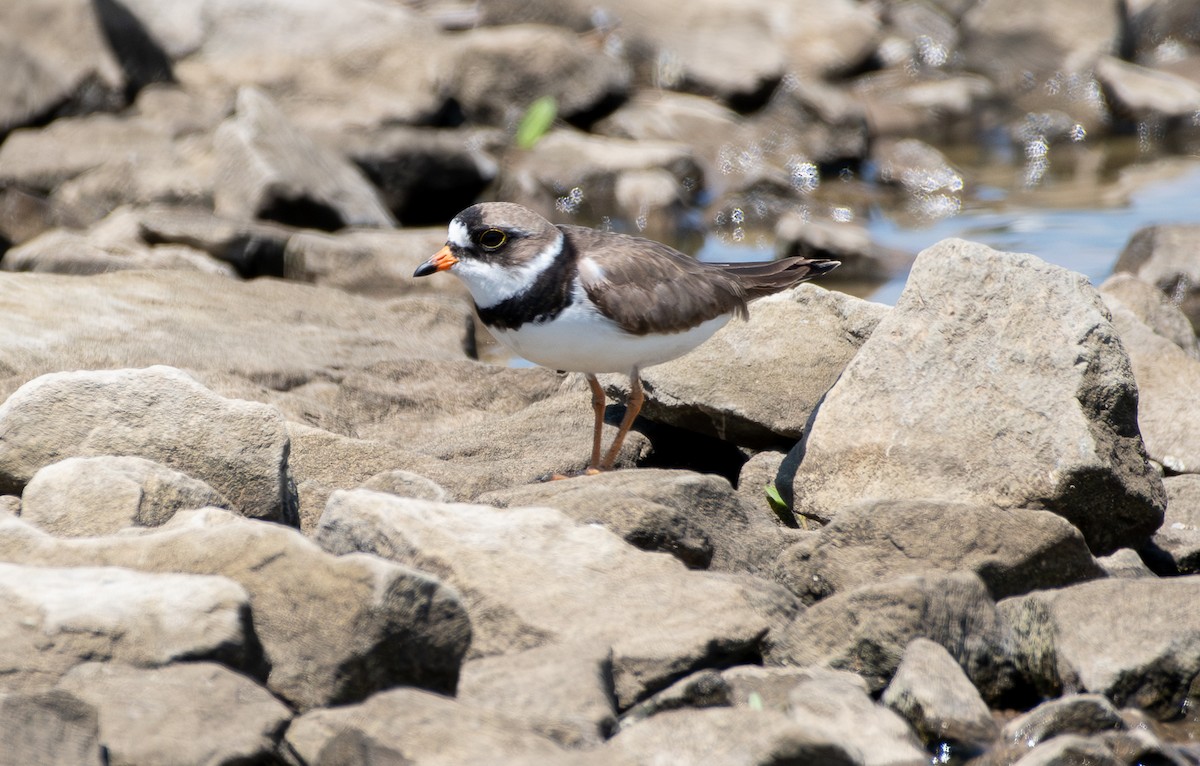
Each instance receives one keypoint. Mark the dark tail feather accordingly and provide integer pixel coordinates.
(769, 277)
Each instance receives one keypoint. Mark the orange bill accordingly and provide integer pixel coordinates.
(441, 260)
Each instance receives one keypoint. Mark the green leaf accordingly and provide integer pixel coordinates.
(754, 701)
(775, 499)
(536, 121)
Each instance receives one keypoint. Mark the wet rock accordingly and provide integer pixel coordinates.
(425, 727)
(867, 629)
(577, 174)
(934, 695)
(1013, 551)
(968, 318)
(1163, 256)
(239, 448)
(94, 496)
(1165, 375)
(367, 262)
(57, 618)
(837, 704)
(333, 629)
(495, 73)
(201, 322)
(1142, 655)
(724, 737)
(268, 169)
(533, 577)
(52, 727)
(192, 712)
(862, 259)
(64, 252)
(721, 388)
(696, 518)
(1141, 93)
(1074, 714)
(1152, 308)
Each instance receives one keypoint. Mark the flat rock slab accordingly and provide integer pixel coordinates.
(1012, 550)
(159, 413)
(997, 380)
(533, 576)
(333, 629)
(193, 712)
(1143, 654)
(755, 383)
(56, 618)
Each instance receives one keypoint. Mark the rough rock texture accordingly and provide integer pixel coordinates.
(1012, 550)
(933, 694)
(1072, 714)
(1143, 655)
(1164, 257)
(155, 715)
(56, 618)
(1026, 400)
(50, 727)
(333, 629)
(795, 345)
(532, 577)
(91, 496)
(698, 519)
(1152, 307)
(239, 448)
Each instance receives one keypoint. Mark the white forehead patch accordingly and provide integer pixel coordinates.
(491, 283)
(459, 236)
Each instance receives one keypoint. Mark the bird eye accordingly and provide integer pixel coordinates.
(492, 239)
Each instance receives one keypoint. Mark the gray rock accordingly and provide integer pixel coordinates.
(1183, 501)
(937, 108)
(373, 263)
(753, 383)
(1143, 654)
(57, 618)
(405, 484)
(1166, 379)
(533, 577)
(1070, 750)
(1173, 551)
(727, 737)
(1013, 551)
(1150, 305)
(267, 168)
(206, 323)
(1060, 433)
(706, 688)
(427, 728)
(934, 695)
(51, 727)
(10, 505)
(191, 712)
(755, 478)
(1073, 714)
(1142, 93)
(1164, 256)
(837, 704)
(333, 629)
(1125, 563)
(63, 252)
(239, 448)
(495, 73)
(92, 496)
(696, 518)
(867, 629)
(862, 259)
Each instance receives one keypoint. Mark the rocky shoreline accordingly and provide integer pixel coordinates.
(263, 500)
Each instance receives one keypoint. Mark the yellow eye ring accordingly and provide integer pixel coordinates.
(492, 239)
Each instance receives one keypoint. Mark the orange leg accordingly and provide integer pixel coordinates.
(598, 408)
(632, 408)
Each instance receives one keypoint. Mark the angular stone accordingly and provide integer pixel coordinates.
(533, 577)
(1152, 307)
(369, 262)
(269, 169)
(1008, 335)
(1142, 93)
(52, 727)
(90, 497)
(1163, 255)
(866, 630)
(931, 691)
(697, 518)
(333, 629)
(837, 704)
(1183, 501)
(63, 252)
(425, 727)
(1143, 654)
(753, 383)
(1073, 714)
(191, 712)
(1068, 750)
(159, 413)
(1125, 563)
(1013, 551)
(56, 618)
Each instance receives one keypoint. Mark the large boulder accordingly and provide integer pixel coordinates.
(997, 380)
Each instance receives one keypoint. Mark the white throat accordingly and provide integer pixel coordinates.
(491, 284)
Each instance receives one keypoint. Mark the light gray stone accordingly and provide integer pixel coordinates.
(934, 695)
(52, 727)
(1149, 304)
(1072, 714)
(1164, 256)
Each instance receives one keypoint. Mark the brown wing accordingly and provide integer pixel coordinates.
(768, 277)
(643, 285)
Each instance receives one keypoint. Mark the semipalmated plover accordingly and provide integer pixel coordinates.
(580, 300)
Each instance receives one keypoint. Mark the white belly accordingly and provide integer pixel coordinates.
(580, 340)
